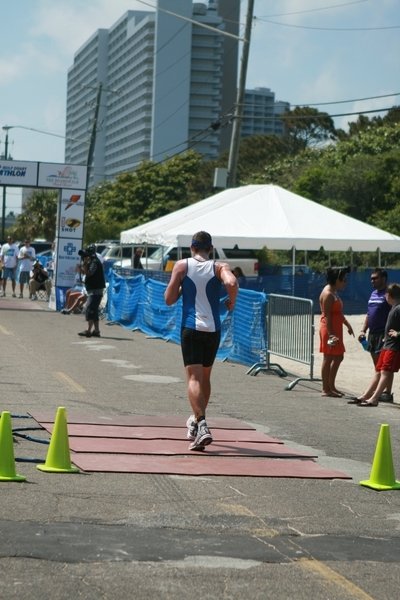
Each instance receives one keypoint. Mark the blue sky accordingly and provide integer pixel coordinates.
(306, 51)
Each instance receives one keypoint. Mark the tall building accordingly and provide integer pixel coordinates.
(261, 113)
(152, 86)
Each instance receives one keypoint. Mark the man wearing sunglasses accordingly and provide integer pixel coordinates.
(375, 321)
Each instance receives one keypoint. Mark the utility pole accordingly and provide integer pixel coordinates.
(238, 112)
(3, 215)
(92, 141)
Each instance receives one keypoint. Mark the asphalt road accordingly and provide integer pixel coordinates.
(114, 536)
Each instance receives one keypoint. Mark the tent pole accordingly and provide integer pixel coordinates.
(379, 257)
(293, 266)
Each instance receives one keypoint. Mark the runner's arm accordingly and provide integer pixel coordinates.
(230, 282)
(173, 290)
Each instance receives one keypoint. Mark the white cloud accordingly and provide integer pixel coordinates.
(10, 68)
(69, 23)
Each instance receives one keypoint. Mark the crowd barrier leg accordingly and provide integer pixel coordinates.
(290, 335)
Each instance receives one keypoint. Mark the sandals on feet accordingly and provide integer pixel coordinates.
(366, 403)
(355, 400)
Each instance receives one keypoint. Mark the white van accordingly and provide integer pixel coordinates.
(111, 255)
(245, 259)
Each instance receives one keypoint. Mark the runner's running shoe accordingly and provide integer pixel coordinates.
(192, 426)
(203, 437)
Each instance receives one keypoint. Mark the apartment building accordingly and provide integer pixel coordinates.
(261, 113)
(151, 86)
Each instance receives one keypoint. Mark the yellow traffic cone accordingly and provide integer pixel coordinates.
(58, 457)
(382, 475)
(7, 461)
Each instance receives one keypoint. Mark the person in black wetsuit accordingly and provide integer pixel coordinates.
(95, 284)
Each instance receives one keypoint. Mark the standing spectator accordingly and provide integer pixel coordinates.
(375, 322)
(137, 262)
(52, 261)
(95, 284)
(331, 330)
(389, 357)
(9, 256)
(26, 257)
(40, 280)
(198, 279)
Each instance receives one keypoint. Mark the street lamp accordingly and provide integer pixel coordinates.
(3, 217)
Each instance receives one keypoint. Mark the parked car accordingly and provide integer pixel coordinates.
(46, 259)
(103, 245)
(114, 252)
(40, 246)
(112, 255)
(164, 257)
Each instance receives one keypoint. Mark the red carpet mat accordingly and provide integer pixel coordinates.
(205, 465)
(140, 420)
(158, 444)
(175, 447)
(161, 433)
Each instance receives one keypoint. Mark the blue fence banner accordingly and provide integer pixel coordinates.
(137, 302)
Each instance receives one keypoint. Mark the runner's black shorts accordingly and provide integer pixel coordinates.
(199, 347)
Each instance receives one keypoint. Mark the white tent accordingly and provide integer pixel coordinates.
(255, 216)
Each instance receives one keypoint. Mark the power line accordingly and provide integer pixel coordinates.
(255, 105)
(330, 28)
(301, 12)
(348, 101)
(191, 142)
(282, 116)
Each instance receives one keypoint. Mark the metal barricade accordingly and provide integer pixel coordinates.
(290, 334)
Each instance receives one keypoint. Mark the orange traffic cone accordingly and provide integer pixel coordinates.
(58, 457)
(382, 473)
(7, 461)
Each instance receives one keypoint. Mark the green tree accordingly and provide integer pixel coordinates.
(97, 226)
(257, 151)
(151, 191)
(363, 123)
(307, 127)
(38, 220)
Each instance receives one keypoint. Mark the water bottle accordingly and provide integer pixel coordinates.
(364, 343)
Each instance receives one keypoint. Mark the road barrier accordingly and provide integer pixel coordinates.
(290, 335)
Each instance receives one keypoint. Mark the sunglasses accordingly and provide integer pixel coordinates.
(374, 278)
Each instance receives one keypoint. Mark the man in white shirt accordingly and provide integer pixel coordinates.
(26, 257)
(9, 256)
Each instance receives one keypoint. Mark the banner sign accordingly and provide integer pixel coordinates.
(67, 259)
(70, 218)
(19, 173)
(71, 181)
(53, 175)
